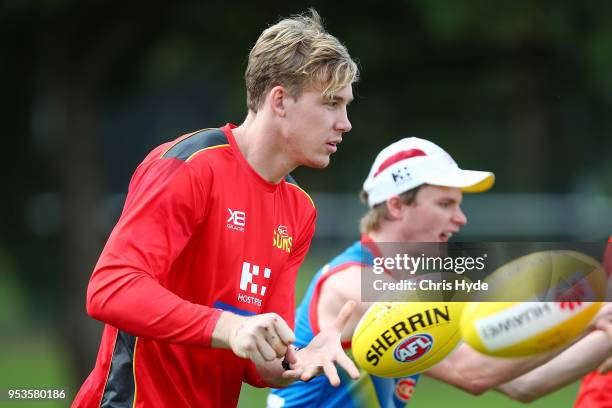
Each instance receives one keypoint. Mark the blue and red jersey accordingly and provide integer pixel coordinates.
(369, 390)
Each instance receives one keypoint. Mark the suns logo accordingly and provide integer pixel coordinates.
(413, 348)
(281, 239)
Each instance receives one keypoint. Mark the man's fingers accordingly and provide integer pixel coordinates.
(602, 323)
(344, 315)
(290, 355)
(275, 342)
(292, 374)
(605, 312)
(309, 372)
(348, 366)
(265, 349)
(252, 352)
(331, 373)
(605, 367)
(605, 325)
(283, 330)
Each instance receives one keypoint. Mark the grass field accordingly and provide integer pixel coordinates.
(37, 361)
(33, 360)
(429, 393)
(434, 394)
(32, 357)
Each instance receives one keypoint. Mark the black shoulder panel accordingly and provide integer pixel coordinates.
(196, 142)
(289, 179)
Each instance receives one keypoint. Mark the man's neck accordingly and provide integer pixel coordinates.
(382, 235)
(260, 144)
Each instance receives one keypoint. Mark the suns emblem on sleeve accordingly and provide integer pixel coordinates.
(281, 239)
(404, 388)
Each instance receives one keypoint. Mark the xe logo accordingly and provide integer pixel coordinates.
(236, 220)
(246, 279)
(413, 348)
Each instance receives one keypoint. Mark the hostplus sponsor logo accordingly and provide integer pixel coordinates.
(253, 281)
(281, 239)
(236, 220)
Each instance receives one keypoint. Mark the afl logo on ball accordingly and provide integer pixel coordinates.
(413, 348)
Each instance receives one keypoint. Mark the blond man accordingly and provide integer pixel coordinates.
(195, 284)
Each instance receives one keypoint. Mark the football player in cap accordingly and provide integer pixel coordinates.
(414, 192)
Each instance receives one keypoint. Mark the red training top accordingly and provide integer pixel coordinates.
(200, 232)
(596, 389)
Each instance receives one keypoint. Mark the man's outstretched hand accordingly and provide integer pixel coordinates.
(323, 352)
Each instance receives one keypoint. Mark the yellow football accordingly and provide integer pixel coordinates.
(548, 276)
(557, 295)
(395, 339)
(515, 329)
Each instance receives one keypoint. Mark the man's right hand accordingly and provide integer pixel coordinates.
(259, 338)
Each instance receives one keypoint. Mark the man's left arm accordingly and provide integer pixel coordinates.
(476, 373)
(572, 364)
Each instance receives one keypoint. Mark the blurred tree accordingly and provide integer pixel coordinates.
(521, 88)
(78, 51)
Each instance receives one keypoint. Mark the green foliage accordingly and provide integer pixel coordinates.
(12, 296)
(429, 392)
(521, 88)
(432, 393)
(33, 359)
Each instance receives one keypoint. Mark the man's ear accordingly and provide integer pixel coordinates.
(277, 98)
(394, 206)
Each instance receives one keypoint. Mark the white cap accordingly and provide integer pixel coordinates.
(410, 162)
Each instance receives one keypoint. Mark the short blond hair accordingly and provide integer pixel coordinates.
(373, 219)
(297, 52)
